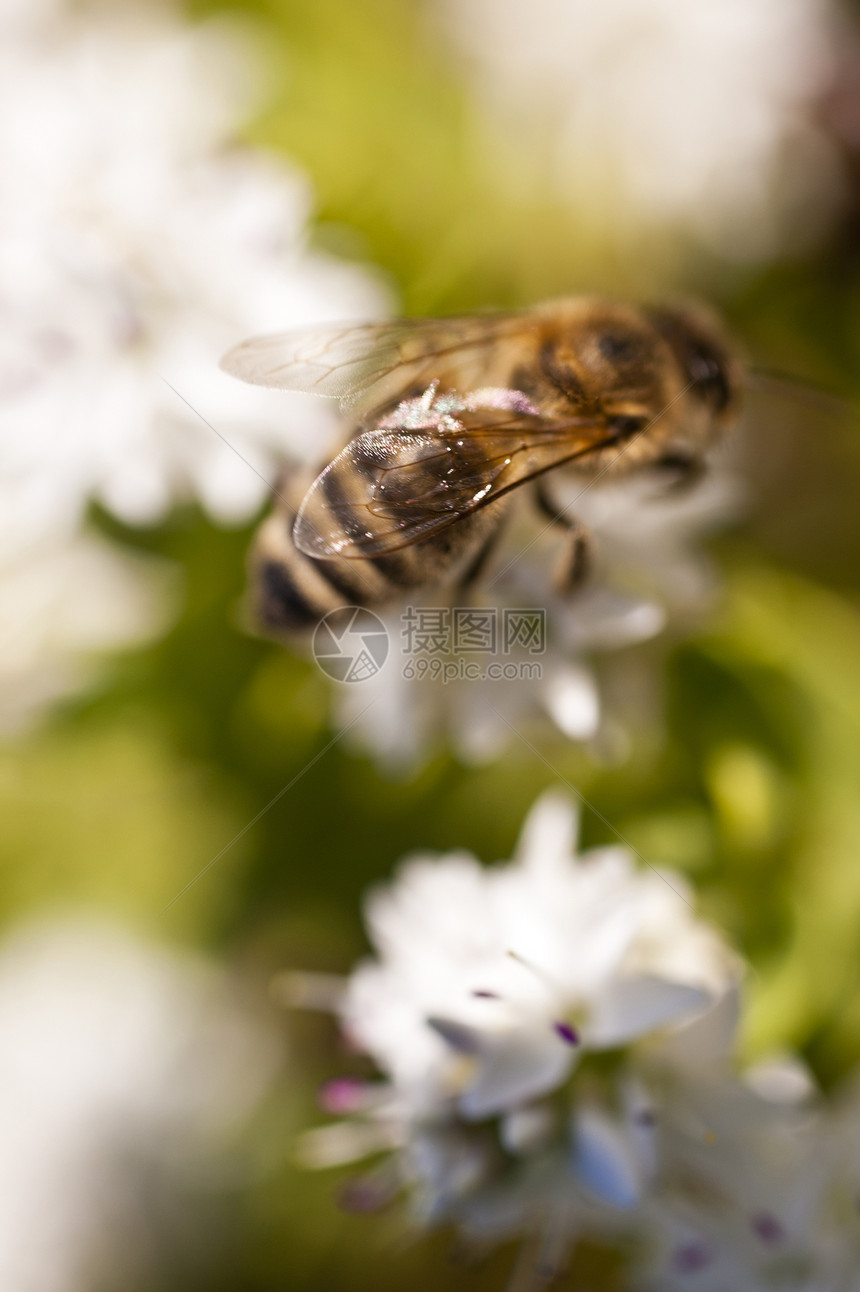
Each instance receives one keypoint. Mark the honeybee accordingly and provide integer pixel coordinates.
(451, 415)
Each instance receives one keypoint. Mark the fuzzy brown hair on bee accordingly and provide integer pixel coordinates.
(449, 416)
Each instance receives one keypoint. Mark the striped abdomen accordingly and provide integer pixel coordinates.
(292, 591)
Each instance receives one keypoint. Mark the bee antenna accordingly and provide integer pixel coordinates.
(789, 386)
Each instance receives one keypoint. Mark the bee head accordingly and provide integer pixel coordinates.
(705, 358)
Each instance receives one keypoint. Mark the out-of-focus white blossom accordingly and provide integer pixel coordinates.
(63, 607)
(137, 241)
(749, 1195)
(663, 113)
(647, 576)
(125, 1075)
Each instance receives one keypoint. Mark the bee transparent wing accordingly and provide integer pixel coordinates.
(371, 363)
(391, 488)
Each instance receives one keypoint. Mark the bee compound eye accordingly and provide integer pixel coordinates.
(704, 358)
(617, 347)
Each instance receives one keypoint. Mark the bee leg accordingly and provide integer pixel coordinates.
(549, 508)
(575, 561)
(685, 472)
(574, 565)
(478, 564)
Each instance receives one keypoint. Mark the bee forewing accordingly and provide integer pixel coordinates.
(346, 511)
(369, 363)
(390, 488)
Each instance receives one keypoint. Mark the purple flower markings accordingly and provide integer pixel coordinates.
(567, 1033)
(767, 1228)
(364, 1195)
(692, 1257)
(342, 1095)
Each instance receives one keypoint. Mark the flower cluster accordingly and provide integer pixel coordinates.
(138, 239)
(555, 1044)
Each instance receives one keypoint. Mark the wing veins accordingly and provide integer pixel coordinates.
(308, 366)
(442, 517)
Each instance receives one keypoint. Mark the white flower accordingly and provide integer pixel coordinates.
(137, 241)
(661, 112)
(555, 1040)
(63, 607)
(646, 576)
(125, 1073)
(490, 985)
(746, 1190)
(506, 1010)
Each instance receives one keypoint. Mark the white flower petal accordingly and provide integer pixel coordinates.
(344, 1142)
(571, 697)
(602, 1160)
(707, 1042)
(548, 837)
(515, 1067)
(633, 1007)
(782, 1079)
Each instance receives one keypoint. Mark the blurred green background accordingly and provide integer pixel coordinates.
(751, 787)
